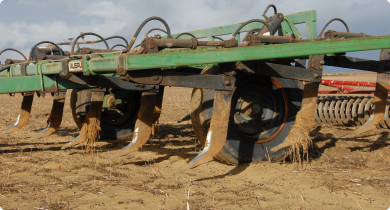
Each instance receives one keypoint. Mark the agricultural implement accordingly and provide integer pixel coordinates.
(254, 96)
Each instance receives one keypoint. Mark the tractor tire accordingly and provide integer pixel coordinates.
(273, 104)
(116, 123)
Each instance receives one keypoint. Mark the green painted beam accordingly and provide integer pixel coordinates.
(47, 68)
(33, 83)
(275, 51)
(302, 17)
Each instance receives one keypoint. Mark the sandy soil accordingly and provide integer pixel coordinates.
(342, 173)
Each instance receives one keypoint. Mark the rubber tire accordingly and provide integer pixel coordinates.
(237, 150)
(81, 100)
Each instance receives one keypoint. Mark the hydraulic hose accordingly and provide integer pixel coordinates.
(13, 50)
(158, 29)
(185, 33)
(251, 21)
(113, 37)
(326, 25)
(118, 45)
(89, 33)
(142, 25)
(266, 10)
(49, 42)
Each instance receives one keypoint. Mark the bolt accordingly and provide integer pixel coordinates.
(321, 67)
(243, 121)
(87, 57)
(262, 116)
(151, 86)
(155, 77)
(237, 113)
(88, 73)
(315, 75)
(43, 57)
(322, 62)
(141, 85)
(226, 82)
(136, 85)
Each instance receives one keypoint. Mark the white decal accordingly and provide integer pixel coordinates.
(75, 66)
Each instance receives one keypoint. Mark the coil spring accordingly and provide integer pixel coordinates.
(347, 111)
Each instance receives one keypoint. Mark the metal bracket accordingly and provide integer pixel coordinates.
(23, 69)
(64, 74)
(278, 70)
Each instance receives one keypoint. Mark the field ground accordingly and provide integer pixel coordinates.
(342, 174)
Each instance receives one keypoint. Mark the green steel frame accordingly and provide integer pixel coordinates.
(43, 76)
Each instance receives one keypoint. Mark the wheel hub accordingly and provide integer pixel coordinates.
(116, 109)
(258, 110)
(250, 108)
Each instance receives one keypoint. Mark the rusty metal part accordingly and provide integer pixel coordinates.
(278, 70)
(50, 57)
(343, 115)
(55, 118)
(306, 113)
(337, 111)
(217, 134)
(96, 104)
(331, 112)
(329, 22)
(11, 61)
(82, 36)
(355, 111)
(362, 105)
(321, 110)
(143, 125)
(310, 96)
(158, 104)
(30, 57)
(87, 50)
(276, 39)
(380, 100)
(352, 111)
(24, 115)
(347, 35)
(266, 10)
(326, 112)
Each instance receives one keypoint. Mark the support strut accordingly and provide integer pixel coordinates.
(24, 115)
(55, 118)
(91, 125)
(143, 125)
(217, 134)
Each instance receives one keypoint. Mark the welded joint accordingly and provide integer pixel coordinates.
(316, 62)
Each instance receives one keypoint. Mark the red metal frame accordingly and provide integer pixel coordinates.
(346, 89)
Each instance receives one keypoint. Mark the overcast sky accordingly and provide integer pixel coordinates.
(24, 23)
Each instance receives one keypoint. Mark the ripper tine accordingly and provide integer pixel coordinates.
(143, 125)
(217, 134)
(380, 99)
(24, 115)
(91, 126)
(380, 102)
(55, 118)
